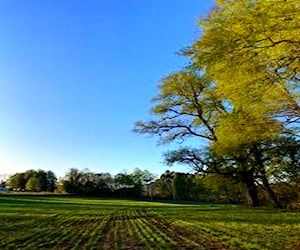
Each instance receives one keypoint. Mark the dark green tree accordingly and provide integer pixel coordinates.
(180, 191)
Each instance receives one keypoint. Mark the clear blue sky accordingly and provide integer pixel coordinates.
(75, 75)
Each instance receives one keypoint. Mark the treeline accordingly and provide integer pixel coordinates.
(143, 184)
(104, 184)
(221, 189)
(83, 182)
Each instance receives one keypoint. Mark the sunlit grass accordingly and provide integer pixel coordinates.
(61, 222)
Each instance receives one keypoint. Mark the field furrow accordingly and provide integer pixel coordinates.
(180, 236)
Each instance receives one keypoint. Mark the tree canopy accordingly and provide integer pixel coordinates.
(251, 49)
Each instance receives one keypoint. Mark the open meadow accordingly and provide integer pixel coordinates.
(58, 222)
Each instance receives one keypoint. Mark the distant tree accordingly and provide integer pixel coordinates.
(140, 179)
(33, 180)
(3, 180)
(72, 181)
(41, 175)
(86, 183)
(179, 187)
(51, 181)
(133, 184)
(30, 173)
(163, 187)
(124, 179)
(103, 183)
(17, 181)
(33, 184)
(124, 184)
(142, 176)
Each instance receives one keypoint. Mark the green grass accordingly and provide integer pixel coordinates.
(63, 222)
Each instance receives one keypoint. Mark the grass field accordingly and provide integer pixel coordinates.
(56, 222)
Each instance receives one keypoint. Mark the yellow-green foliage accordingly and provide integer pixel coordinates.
(186, 93)
(250, 42)
(246, 87)
(252, 50)
(241, 129)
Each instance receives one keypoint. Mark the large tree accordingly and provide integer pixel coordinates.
(240, 92)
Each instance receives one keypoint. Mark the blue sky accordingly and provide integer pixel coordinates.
(75, 75)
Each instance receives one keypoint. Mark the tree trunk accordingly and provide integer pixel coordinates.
(252, 193)
(270, 192)
(262, 171)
